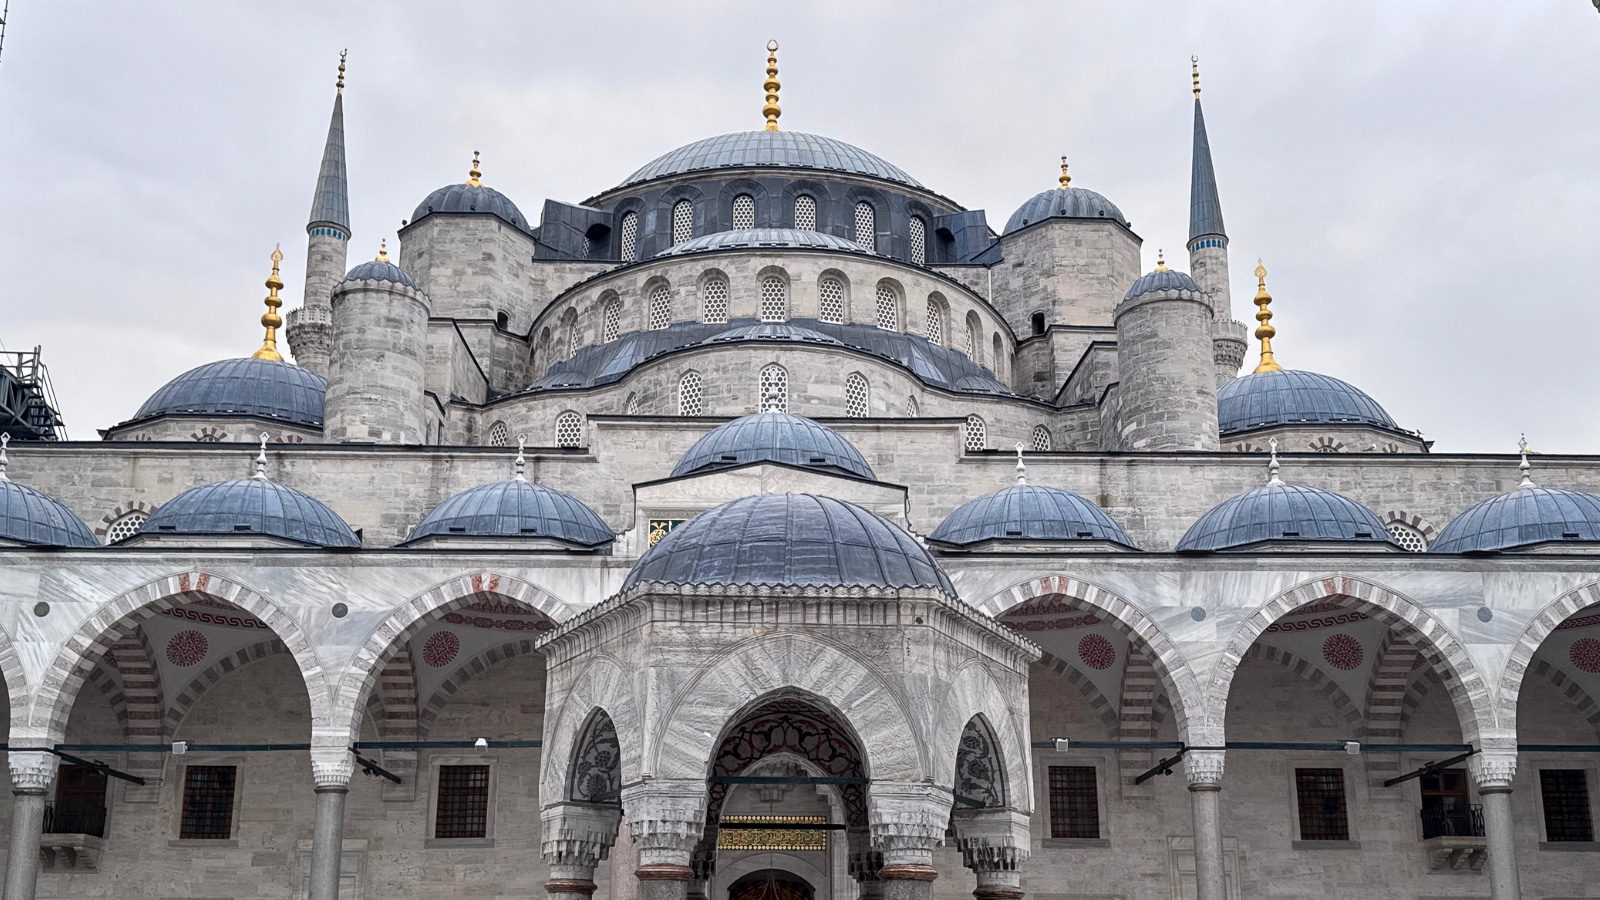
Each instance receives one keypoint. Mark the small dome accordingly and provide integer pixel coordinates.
(778, 149)
(251, 506)
(1029, 512)
(1063, 203)
(1162, 280)
(772, 331)
(261, 388)
(792, 540)
(1284, 512)
(380, 270)
(1289, 397)
(515, 509)
(468, 198)
(1522, 518)
(32, 517)
(763, 239)
(773, 437)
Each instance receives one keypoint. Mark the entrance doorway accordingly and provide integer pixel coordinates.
(771, 884)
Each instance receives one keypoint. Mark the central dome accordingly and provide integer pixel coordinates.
(773, 437)
(778, 149)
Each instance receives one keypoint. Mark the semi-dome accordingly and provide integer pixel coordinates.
(773, 437)
(380, 269)
(515, 509)
(799, 540)
(779, 149)
(1064, 203)
(1284, 512)
(251, 507)
(1291, 397)
(1029, 512)
(34, 518)
(259, 388)
(764, 238)
(1162, 279)
(1522, 518)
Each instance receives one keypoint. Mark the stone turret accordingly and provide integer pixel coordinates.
(1208, 250)
(327, 250)
(1166, 397)
(379, 349)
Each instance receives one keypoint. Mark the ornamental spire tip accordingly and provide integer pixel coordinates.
(770, 109)
(271, 320)
(1264, 332)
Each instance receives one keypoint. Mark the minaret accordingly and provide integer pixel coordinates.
(327, 246)
(1208, 247)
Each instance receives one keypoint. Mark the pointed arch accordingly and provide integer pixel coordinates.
(603, 684)
(464, 673)
(141, 704)
(1319, 681)
(1539, 627)
(185, 699)
(980, 772)
(1137, 717)
(1570, 689)
(595, 772)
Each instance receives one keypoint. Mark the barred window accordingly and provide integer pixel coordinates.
(1567, 816)
(689, 396)
(977, 434)
(499, 435)
(1409, 539)
(682, 221)
(774, 387)
(744, 211)
(1320, 795)
(935, 328)
(463, 805)
(856, 396)
(208, 803)
(919, 242)
(613, 319)
(1074, 803)
(830, 301)
(805, 213)
(972, 343)
(912, 409)
(714, 300)
(586, 248)
(866, 226)
(125, 527)
(1041, 438)
(630, 237)
(569, 430)
(574, 338)
(888, 308)
(660, 307)
(774, 300)
(632, 406)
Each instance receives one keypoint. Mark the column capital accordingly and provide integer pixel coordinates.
(1493, 769)
(32, 770)
(993, 840)
(907, 822)
(1204, 769)
(668, 818)
(577, 836)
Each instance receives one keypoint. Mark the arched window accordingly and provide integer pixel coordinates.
(124, 527)
(856, 396)
(569, 430)
(744, 211)
(998, 358)
(499, 435)
(632, 407)
(830, 300)
(972, 339)
(888, 308)
(1409, 538)
(919, 242)
(689, 396)
(977, 435)
(774, 388)
(630, 237)
(774, 299)
(714, 300)
(1041, 438)
(611, 318)
(569, 321)
(660, 307)
(682, 221)
(586, 248)
(866, 226)
(935, 329)
(912, 409)
(805, 213)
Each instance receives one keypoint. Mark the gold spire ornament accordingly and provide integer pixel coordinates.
(271, 320)
(1265, 331)
(474, 176)
(771, 110)
(1161, 260)
(383, 251)
(1195, 62)
(340, 83)
(1065, 178)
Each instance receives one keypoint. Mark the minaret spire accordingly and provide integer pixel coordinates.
(330, 205)
(770, 110)
(327, 245)
(1208, 247)
(1205, 206)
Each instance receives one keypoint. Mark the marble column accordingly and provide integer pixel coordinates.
(577, 837)
(331, 768)
(668, 819)
(1204, 770)
(907, 822)
(1493, 771)
(994, 843)
(32, 774)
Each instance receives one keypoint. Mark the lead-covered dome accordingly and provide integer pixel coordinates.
(250, 507)
(34, 518)
(1290, 397)
(1162, 279)
(773, 437)
(259, 388)
(777, 149)
(515, 509)
(1521, 519)
(798, 540)
(1029, 512)
(1064, 203)
(1280, 512)
(380, 269)
(471, 198)
(764, 238)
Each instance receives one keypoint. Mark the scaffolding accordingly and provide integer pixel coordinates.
(27, 401)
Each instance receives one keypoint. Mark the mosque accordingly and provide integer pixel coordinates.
(770, 526)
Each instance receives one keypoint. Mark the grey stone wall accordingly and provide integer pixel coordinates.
(471, 266)
(1166, 374)
(377, 375)
(1073, 271)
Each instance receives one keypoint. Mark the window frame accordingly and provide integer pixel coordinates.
(432, 823)
(1351, 815)
(1591, 773)
(182, 780)
(1102, 764)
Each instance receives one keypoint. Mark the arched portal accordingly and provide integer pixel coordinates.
(771, 884)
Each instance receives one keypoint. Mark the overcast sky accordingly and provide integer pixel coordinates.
(1419, 177)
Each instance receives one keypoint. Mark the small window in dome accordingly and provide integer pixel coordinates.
(689, 394)
(888, 308)
(714, 301)
(499, 435)
(919, 242)
(774, 299)
(630, 238)
(612, 319)
(856, 393)
(744, 212)
(830, 300)
(805, 213)
(774, 388)
(866, 226)
(1041, 438)
(682, 221)
(935, 322)
(660, 307)
(125, 527)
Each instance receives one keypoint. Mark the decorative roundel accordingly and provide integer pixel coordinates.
(1096, 652)
(1342, 652)
(1585, 654)
(187, 648)
(441, 648)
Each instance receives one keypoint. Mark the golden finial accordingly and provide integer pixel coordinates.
(340, 83)
(1265, 331)
(474, 175)
(1065, 178)
(1161, 260)
(272, 321)
(771, 110)
(383, 251)
(1195, 62)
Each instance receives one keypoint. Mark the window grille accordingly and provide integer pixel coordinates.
(714, 300)
(888, 309)
(774, 387)
(911, 408)
(935, 329)
(1566, 805)
(632, 407)
(774, 300)
(744, 211)
(574, 339)
(805, 213)
(1409, 539)
(1074, 803)
(919, 242)
(630, 237)
(689, 396)
(1320, 795)
(125, 527)
(977, 436)
(208, 803)
(972, 343)
(586, 249)
(569, 430)
(855, 396)
(463, 807)
(1446, 809)
(682, 221)
(1041, 438)
(499, 435)
(660, 307)
(613, 319)
(866, 226)
(830, 301)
